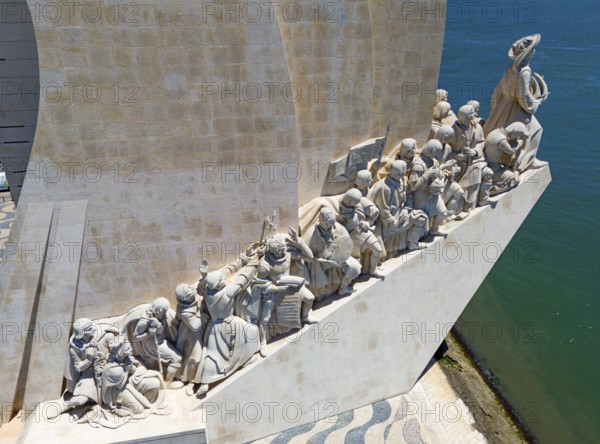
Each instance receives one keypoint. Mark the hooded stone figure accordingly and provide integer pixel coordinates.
(229, 341)
(190, 336)
(517, 98)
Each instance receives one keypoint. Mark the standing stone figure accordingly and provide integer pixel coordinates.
(358, 215)
(275, 281)
(441, 112)
(229, 341)
(190, 336)
(517, 98)
(467, 149)
(476, 105)
(441, 95)
(398, 225)
(427, 182)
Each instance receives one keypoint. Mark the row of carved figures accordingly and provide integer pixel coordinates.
(225, 319)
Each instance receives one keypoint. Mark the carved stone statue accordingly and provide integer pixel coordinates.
(427, 182)
(398, 225)
(441, 112)
(517, 98)
(467, 149)
(358, 215)
(190, 336)
(229, 341)
(445, 135)
(334, 268)
(88, 346)
(129, 390)
(476, 105)
(502, 148)
(407, 152)
(153, 336)
(276, 285)
(441, 95)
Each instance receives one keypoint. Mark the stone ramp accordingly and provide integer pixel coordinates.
(374, 344)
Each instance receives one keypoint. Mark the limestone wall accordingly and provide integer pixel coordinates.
(184, 123)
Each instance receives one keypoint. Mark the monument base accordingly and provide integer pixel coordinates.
(367, 347)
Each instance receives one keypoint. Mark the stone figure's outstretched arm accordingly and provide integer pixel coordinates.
(242, 279)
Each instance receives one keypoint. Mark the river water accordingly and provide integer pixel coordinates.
(535, 321)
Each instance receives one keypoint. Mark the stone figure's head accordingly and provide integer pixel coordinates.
(120, 350)
(466, 115)
(398, 169)
(476, 105)
(277, 245)
(326, 218)
(524, 48)
(84, 329)
(215, 281)
(363, 181)
(185, 293)
(517, 130)
(441, 110)
(441, 95)
(351, 198)
(408, 148)
(432, 149)
(444, 134)
(160, 307)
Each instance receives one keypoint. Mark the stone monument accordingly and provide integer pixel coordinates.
(222, 133)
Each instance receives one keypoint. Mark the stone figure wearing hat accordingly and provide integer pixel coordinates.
(517, 98)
